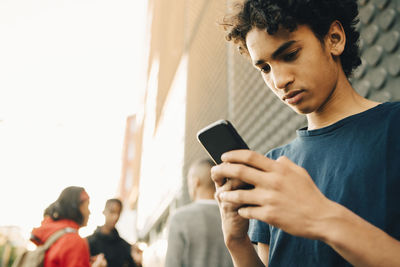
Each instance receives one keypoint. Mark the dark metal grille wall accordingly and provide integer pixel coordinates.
(378, 77)
(265, 122)
(166, 45)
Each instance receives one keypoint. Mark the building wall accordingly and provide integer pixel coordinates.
(207, 95)
(130, 170)
(186, 90)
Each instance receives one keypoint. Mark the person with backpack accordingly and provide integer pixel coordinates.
(57, 237)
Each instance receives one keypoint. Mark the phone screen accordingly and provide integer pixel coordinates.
(220, 137)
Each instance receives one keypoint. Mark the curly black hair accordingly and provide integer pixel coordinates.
(317, 14)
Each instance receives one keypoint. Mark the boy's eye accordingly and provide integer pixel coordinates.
(265, 69)
(291, 56)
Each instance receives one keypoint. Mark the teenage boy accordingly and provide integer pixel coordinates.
(331, 196)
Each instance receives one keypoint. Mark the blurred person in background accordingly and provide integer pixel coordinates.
(70, 210)
(106, 240)
(195, 236)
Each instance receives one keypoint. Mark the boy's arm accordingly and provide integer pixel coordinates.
(263, 252)
(244, 254)
(358, 241)
(235, 227)
(285, 196)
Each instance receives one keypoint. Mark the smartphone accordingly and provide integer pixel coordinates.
(220, 137)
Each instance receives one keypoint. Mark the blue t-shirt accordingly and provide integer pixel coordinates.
(354, 162)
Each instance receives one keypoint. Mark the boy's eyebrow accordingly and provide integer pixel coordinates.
(277, 52)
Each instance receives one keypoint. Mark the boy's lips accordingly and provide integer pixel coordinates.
(293, 97)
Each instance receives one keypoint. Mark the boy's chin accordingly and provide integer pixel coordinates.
(301, 108)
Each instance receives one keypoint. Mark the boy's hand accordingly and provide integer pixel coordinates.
(98, 261)
(234, 226)
(284, 195)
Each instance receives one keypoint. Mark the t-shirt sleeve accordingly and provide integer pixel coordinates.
(259, 232)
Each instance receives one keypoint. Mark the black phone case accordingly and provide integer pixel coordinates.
(220, 137)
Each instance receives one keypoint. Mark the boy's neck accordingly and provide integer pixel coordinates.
(106, 229)
(343, 102)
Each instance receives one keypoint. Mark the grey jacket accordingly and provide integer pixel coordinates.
(195, 237)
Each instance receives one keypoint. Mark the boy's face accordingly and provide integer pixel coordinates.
(295, 65)
(112, 213)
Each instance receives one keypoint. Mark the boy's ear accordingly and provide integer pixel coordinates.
(336, 38)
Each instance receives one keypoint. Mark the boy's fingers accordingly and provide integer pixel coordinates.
(241, 172)
(241, 197)
(250, 158)
(250, 212)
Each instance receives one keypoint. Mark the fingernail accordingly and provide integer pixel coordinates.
(223, 156)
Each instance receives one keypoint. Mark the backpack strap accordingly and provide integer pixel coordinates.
(54, 237)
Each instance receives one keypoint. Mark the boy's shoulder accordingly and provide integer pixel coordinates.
(389, 112)
(275, 153)
(380, 115)
(391, 106)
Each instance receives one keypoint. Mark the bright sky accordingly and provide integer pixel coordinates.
(69, 76)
